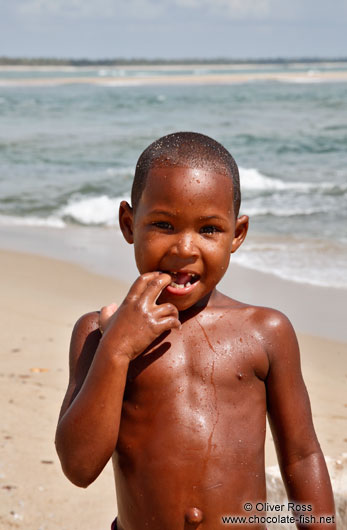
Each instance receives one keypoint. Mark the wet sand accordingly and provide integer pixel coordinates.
(41, 300)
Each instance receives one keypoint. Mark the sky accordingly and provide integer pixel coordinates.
(173, 28)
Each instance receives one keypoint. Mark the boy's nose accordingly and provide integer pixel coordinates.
(185, 246)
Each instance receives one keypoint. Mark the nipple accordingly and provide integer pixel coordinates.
(194, 516)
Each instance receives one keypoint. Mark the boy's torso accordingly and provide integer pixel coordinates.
(193, 424)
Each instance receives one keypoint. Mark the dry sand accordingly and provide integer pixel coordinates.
(41, 300)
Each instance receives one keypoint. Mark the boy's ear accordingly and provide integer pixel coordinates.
(241, 228)
(126, 218)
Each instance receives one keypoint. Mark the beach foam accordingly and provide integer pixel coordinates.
(50, 221)
(276, 493)
(309, 261)
(253, 179)
(101, 210)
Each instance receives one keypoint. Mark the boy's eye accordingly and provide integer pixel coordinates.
(164, 225)
(210, 229)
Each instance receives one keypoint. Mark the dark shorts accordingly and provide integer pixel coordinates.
(114, 524)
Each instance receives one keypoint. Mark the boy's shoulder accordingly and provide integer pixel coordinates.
(85, 335)
(87, 323)
(267, 322)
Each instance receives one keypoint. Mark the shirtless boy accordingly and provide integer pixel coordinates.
(176, 383)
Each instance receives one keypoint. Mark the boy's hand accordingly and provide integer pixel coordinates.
(138, 321)
(105, 314)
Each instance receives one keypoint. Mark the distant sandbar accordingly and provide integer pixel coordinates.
(311, 76)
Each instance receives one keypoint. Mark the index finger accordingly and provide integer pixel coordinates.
(142, 283)
(156, 286)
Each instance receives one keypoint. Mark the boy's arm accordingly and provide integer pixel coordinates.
(89, 421)
(87, 429)
(300, 457)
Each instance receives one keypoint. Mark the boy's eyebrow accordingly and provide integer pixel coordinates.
(208, 217)
(202, 217)
(162, 212)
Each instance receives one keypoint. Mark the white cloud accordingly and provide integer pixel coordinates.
(231, 8)
(152, 9)
(144, 8)
(90, 8)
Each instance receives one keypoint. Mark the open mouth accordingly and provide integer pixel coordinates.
(182, 282)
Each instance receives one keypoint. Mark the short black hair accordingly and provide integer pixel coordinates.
(186, 148)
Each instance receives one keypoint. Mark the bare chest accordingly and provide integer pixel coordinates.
(196, 391)
(213, 358)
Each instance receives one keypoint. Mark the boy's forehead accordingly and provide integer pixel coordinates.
(185, 184)
(188, 178)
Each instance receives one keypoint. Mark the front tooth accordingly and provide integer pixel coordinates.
(188, 284)
(180, 285)
(174, 284)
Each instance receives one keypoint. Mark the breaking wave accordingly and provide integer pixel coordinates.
(253, 179)
(101, 210)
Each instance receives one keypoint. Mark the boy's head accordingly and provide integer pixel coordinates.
(187, 149)
(184, 215)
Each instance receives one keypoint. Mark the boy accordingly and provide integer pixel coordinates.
(175, 384)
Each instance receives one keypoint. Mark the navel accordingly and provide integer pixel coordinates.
(194, 516)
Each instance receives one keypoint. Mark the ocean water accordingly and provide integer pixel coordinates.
(68, 153)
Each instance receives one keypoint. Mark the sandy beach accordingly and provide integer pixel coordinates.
(41, 300)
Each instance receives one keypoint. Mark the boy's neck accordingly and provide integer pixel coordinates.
(203, 303)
